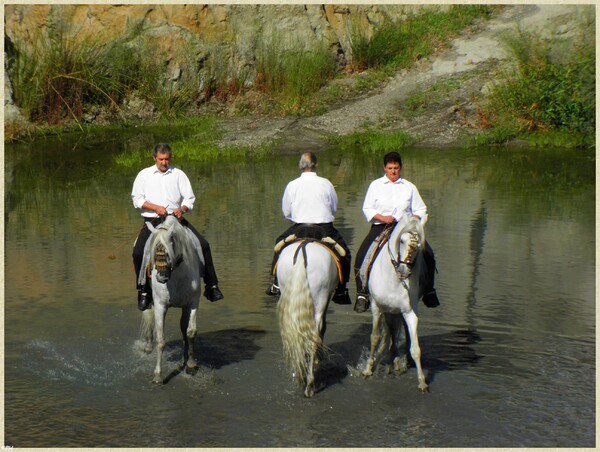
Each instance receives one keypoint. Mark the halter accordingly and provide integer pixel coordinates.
(409, 260)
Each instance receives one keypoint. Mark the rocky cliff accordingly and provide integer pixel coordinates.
(179, 32)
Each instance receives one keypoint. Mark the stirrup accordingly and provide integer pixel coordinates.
(362, 303)
(273, 290)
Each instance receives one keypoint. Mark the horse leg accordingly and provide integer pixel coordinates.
(396, 322)
(309, 390)
(412, 322)
(147, 331)
(375, 340)
(188, 331)
(159, 329)
(409, 361)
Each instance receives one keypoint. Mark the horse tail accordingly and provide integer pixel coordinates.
(299, 334)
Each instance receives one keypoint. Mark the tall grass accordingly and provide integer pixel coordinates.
(57, 76)
(396, 46)
(289, 72)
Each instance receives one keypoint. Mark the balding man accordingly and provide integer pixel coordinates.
(310, 202)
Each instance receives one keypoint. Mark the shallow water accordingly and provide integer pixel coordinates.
(509, 355)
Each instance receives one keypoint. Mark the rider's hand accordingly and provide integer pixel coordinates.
(160, 211)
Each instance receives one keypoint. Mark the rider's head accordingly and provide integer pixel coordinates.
(162, 148)
(308, 162)
(162, 156)
(392, 157)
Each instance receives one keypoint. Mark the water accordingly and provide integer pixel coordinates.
(510, 354)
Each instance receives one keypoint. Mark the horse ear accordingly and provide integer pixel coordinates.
(150, 227)
(170, 230)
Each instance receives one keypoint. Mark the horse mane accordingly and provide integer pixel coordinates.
(172, 227)
(411, 224)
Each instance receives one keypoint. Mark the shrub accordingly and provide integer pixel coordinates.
(548, 89)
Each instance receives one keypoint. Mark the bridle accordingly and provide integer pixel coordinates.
(164, 263)
(409, 260)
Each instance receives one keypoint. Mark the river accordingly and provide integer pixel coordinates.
(509, 355)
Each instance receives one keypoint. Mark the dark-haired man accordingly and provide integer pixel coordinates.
(162, 190)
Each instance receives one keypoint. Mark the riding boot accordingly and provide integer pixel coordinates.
(212, 292)
(144, 297)
(341, 295)
(430, 298)
(362, 296)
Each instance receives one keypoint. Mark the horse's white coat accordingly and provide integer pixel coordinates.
(302, 306)
(182, 288)
(395, 294)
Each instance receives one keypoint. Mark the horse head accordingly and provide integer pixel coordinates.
(409, 242)
(166, 248)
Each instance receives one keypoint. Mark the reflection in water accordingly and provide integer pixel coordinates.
(509, 355)
(478, 227)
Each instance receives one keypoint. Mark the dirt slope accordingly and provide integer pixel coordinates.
(460, 74)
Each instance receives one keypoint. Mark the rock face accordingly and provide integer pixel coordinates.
(180, 33)
(204, 26)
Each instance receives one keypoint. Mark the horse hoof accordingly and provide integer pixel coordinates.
(191, 370)
(157, 380)
(309, 392)
(424, 389)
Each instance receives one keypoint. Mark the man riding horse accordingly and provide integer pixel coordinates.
(310, 201)
(158, 191)
(388, 199)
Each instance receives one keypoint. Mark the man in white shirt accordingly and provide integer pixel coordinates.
(162, 190)
(388, 199)
(310, 202)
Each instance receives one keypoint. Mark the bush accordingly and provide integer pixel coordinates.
(548, 89)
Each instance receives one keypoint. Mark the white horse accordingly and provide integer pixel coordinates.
(173, 259)
(395, 285)
(308, 275)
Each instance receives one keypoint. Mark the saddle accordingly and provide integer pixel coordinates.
(336, 250)
(372, 253)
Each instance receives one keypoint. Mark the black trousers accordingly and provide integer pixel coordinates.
(210, 275)
(327, 230)
(373, 233)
